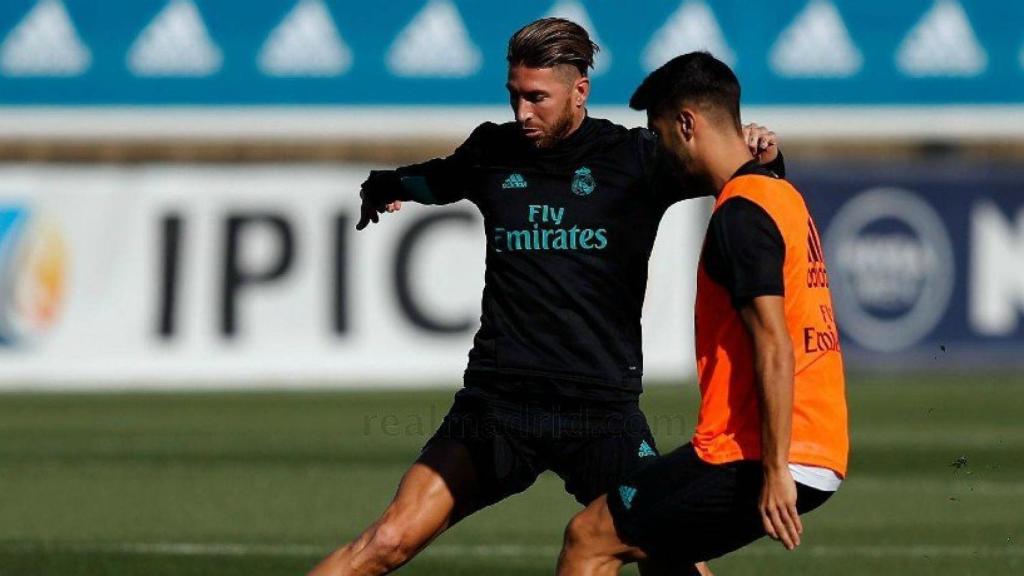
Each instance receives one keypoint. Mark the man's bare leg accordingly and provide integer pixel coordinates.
(592, 546)
(438, 490)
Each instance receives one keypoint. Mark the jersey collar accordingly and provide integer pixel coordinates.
(753, 168)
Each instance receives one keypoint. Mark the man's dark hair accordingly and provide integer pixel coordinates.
(698, 79)
(549, 42)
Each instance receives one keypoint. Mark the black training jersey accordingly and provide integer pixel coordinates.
(569, 234)
(744, 251)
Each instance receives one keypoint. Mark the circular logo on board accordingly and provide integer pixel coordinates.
(33, 274)
(892, 268)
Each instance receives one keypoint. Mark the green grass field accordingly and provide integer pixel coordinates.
(266, 483)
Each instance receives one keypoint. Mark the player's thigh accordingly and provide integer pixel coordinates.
(500, 459)
(680, 510)
(438, 489)
(730, 516)
(597, 465)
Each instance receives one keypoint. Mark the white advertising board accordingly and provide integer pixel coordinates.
(253, 276)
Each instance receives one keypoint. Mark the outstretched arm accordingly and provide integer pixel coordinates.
(435, 182)
(440, 181)
(381, 192)
(773, 364)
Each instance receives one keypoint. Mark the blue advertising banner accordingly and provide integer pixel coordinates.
(451, 52)
(926, 262)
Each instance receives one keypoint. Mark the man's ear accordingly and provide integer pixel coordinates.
(686, 122)
(581, 91)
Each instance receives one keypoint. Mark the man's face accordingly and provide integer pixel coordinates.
(546, 101)
(672, 144)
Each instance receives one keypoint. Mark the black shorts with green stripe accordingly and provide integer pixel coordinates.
(681, 510)
(512, 438)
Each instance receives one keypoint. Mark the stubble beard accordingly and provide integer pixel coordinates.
(684, 170)
(559, 130)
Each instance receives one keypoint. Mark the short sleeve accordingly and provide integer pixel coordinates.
(745, 251)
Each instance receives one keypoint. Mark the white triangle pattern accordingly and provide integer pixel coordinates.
(306, 43)
(942, 44)
(575, 11)
(45, 43)
(175, 44)
(816, 45)
(692, 27)
(435, 44)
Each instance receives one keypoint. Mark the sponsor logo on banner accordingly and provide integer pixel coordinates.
(33, 274)
(238, 53)
(943, 43)
(692, 27)
(45, 43)
(435, 44)
(816, 45)
(997, 269)
(175, 44)
(306, 43)
(892, 268)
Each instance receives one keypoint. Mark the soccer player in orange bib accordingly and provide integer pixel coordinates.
(771, 441)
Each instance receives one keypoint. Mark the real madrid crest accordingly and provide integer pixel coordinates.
(583, 182)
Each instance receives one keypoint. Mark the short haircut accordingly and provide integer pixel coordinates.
(549, 42)
(698, 79)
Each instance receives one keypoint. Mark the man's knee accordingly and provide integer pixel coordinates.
(575, 556)
(587, 548)
(575, 531)
(583, 534)
(391, 545)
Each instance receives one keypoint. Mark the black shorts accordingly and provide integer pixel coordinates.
(681, 510)
(512, 439)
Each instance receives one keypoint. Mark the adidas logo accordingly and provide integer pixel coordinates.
(435, 44)
(942, 44)
(627, 493)
(575, 11)
(646, 450)
(692, 27)
(514, 181)
(817, 274)
(306, 43)
(45, 43)
(816, 45)
(175, 43)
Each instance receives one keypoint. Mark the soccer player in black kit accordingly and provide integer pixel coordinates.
(571, 206)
